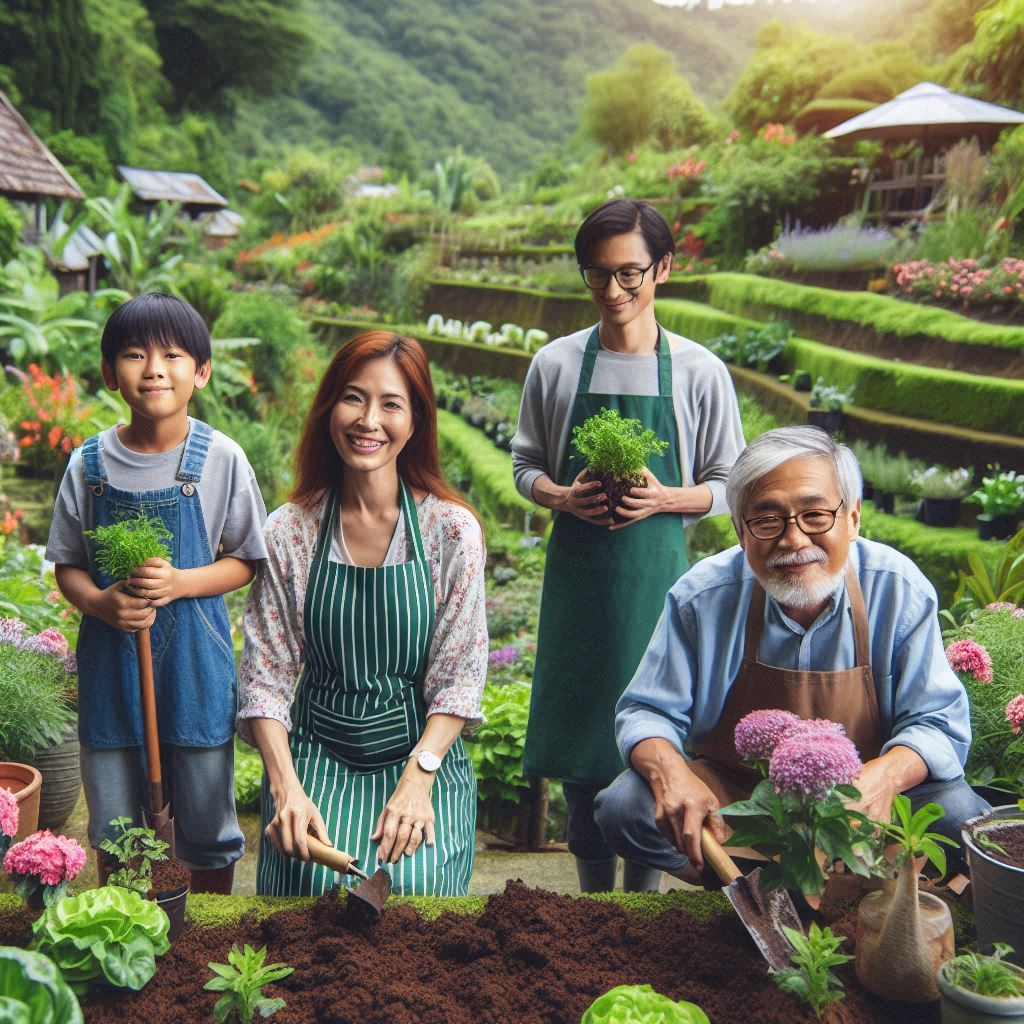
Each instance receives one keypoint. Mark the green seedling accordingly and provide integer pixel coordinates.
(241, 980)
(122, 547)
(810, 978)
(138, 851)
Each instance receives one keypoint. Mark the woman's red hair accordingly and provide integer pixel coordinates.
(319, 467)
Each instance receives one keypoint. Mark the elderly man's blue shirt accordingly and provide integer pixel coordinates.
(680, 687)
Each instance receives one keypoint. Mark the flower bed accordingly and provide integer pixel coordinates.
(525, 955)
(965, 284)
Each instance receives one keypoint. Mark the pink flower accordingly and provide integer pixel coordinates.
(8, 812)
(53, 859)
(503, 655)
(50, 641)
(813, 765)
(758, 733)
(12, 631)
(967, 656)
(1015, 712)
(1006, 606)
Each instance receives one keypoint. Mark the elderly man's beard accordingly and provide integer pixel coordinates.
(798, 593)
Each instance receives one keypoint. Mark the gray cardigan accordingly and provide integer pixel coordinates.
(707, 416)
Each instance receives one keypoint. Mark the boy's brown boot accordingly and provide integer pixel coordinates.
(216, 880)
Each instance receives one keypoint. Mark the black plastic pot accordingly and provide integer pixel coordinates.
(455, 405)
(802, 381)
(996, 527)
(941, 511)
(867, 490)
(827, 419)
(172, 903)
(884, 501)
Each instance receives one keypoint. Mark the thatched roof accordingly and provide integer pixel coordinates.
(172, 186)
(28, 170)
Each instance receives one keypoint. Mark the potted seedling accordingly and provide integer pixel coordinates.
(120, 548)
(995, 855)
(941, 491)
(142, 865)
(904, 935)
(241, 980)
(616, 452)
(1001, 497)
(976, 989)
(827, 402)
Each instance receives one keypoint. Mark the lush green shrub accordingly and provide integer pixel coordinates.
(248, 778)
(496, 747)
(10, 230)
(617, 447)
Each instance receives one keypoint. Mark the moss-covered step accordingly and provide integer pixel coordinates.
(878, 325)
(490, 469)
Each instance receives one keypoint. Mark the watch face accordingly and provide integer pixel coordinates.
(428, 761)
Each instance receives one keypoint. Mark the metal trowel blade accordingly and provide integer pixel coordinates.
(367, 899)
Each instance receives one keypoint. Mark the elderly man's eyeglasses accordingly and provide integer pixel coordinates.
(811, 521)
(630, 278)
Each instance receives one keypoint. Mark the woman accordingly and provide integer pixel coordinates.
(373, 595)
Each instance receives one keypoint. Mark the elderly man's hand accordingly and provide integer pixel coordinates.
(882, 779)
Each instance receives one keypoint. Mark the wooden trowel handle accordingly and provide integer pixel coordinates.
(329, 856)
(722, 864)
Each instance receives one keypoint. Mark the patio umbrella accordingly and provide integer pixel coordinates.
(927, 112)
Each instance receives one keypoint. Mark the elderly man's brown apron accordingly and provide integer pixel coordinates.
(846, 696)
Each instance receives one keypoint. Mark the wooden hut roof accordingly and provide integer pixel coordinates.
(28, 170)
(172, 186)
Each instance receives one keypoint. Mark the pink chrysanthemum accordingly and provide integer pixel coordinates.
(1006, 606)
(813, 765)
(8, 812)
(1015, 713)
(967, 656)
(12, 631)
(758, 733)
(50, 641)
(53, 859)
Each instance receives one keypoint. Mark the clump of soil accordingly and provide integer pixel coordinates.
(1010, 837)
(168, 875)
(530, 957)
(616, 489)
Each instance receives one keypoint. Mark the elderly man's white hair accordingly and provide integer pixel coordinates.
(769, 451)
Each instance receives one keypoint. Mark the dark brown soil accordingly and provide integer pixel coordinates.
(1011, 838)
(530, 958)
(168, 875)
(616, 490)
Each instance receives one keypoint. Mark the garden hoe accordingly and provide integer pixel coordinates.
(763, 914)
(158, 816)
(366, 900)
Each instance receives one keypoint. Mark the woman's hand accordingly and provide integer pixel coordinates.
(407, 818)
(586, 501)
(642, 502)
(296, 816)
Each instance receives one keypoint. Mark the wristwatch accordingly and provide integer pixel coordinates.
(427, 760)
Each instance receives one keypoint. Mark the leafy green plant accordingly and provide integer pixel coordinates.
(640, 1004)
(37, 694)
(830, 397)
(241, 980)
(248, 779)
(137, 850)
(32, 990)
(814, 955)
(910, 832)
(28, 591)
(1004, 583)
(108, 934)
(1000, 493)
(615, 446)
(942, 482)
(986, 975)
(496, 747)
(124, 546)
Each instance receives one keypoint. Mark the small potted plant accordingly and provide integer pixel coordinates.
(827, 402)
(1001, 497)
(976, 989)
(811, 978)
(616, 452)
(893, 475)
(802, 380)
(241, 980)
(941, 490)
(41, 865)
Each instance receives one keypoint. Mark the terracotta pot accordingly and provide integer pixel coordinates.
(958, 1006)
(62, 780)
(25, 783)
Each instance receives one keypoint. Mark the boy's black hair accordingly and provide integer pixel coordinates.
(620, 217)
(156, 319)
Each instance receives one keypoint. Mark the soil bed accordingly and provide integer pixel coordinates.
(530, 957)
(1010, 837)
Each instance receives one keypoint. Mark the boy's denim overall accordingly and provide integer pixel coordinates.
(193, 658)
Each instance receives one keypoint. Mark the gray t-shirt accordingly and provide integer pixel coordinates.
(233, 508)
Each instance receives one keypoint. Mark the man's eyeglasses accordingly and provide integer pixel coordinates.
(811, 522)
(630, 278)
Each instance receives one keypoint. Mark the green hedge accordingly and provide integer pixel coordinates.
(754, 296)
(990, 404)
(491, 472)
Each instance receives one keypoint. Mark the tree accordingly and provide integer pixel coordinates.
(643, 97)
(994, 59)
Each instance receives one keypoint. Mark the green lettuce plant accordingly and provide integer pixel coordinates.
(640, 1004)
(616, 447)
(110, 935)
(810, 978)
(122, 547)
(32, 990)
(241, 980)
(137, 850)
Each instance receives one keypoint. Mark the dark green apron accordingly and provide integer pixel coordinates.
(603, 594)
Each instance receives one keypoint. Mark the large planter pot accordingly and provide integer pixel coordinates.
(24, 782)
(997, 887)
(958, 1006)
(941, 511)
(884, 501)
(996, 527)
(62, 780)
(826, 419)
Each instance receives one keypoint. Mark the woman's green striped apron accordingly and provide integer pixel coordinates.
(357, 713)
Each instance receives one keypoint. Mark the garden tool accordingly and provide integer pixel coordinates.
(367, 899)
(762, 914)
(158, 815)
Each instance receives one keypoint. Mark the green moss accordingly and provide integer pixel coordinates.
(209, 911)
(491, 472)
(701, 904)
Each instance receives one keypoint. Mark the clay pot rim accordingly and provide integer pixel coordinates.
(1006, 814)
(34, 783)
(974, 1000)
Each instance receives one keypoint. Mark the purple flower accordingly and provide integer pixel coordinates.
(503, 656)
(813, 765)
(816, 727)
(12, 631)
(50, 641)
(757, 733)
(968, 657)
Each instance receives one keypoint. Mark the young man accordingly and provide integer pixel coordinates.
(605, 583)
(156, 352)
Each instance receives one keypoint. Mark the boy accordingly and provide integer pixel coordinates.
(156, 352)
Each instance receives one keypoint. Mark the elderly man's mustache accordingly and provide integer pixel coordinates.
(797, 558)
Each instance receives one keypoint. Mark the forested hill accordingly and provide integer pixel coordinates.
(502, 78)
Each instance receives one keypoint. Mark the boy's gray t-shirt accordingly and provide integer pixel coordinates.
(233, 509)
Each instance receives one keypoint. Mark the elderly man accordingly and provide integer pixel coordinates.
(805, 616)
